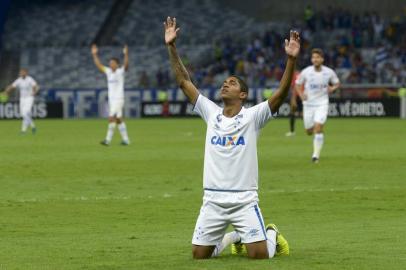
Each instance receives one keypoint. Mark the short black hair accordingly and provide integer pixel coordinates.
(318, 51)
(115, 59)
(243, 84)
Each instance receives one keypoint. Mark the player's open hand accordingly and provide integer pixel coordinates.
(125, 49)
(292, 46)
(170, 30)
(94, 49)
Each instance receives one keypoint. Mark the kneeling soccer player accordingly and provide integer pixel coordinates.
(230, 161)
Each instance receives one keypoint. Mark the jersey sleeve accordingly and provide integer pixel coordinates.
(300, 79)
(106, 69)
(334, 78)
(262, 114)
(204, 107)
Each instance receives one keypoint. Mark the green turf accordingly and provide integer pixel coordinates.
(68, 203)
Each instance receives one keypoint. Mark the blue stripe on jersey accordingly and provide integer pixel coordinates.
(229, 190)
(260, 220)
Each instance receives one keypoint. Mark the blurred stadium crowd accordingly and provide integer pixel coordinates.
(362, 48)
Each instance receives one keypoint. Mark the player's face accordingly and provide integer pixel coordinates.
(231, 90)
(317, 59)
(113, 64)
(23, 73)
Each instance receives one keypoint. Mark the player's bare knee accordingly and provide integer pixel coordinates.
(318, 129)
(257, 250)
(197, 255)
(200, 253)
(258, 254)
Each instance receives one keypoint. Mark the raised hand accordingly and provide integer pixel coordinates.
(94, 49)
(125, 49)
(292, 46)
(170, 30)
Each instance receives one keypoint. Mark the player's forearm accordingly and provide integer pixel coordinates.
(178, 68)
(334, 88)
(298, 90)
(9, 89)
(126, 61)
(96, 61)
(36, 90)
(276, 99)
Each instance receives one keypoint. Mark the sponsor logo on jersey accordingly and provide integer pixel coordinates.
(253, 232)
(227, 140)
(314, 86)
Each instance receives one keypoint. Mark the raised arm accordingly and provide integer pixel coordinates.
(96, 59)
(125, 51)
(292, 48)
(181, 74)
(9, 89)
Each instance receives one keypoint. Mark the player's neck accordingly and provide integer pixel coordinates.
(317, 68)
(231, 109)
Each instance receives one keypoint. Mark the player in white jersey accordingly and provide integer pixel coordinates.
(115, 81)
(319, 81)
(230, 177)
(27, 88)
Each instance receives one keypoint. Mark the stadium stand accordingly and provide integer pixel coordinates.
(74, 68)
(56, 23)
(197, 18)
(363, 48)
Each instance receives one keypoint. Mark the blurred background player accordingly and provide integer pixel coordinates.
(27, 88)
(295, 105)
(319, 81)
(230, 160)
(115, 81)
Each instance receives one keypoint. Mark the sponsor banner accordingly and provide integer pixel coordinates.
(172, 109)
(83, 103)
(364, 107)
(337, 108)
(41, 110)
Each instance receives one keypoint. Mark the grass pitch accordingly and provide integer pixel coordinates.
(68, 203)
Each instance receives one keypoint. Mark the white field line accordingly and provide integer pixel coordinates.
(167, 195)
